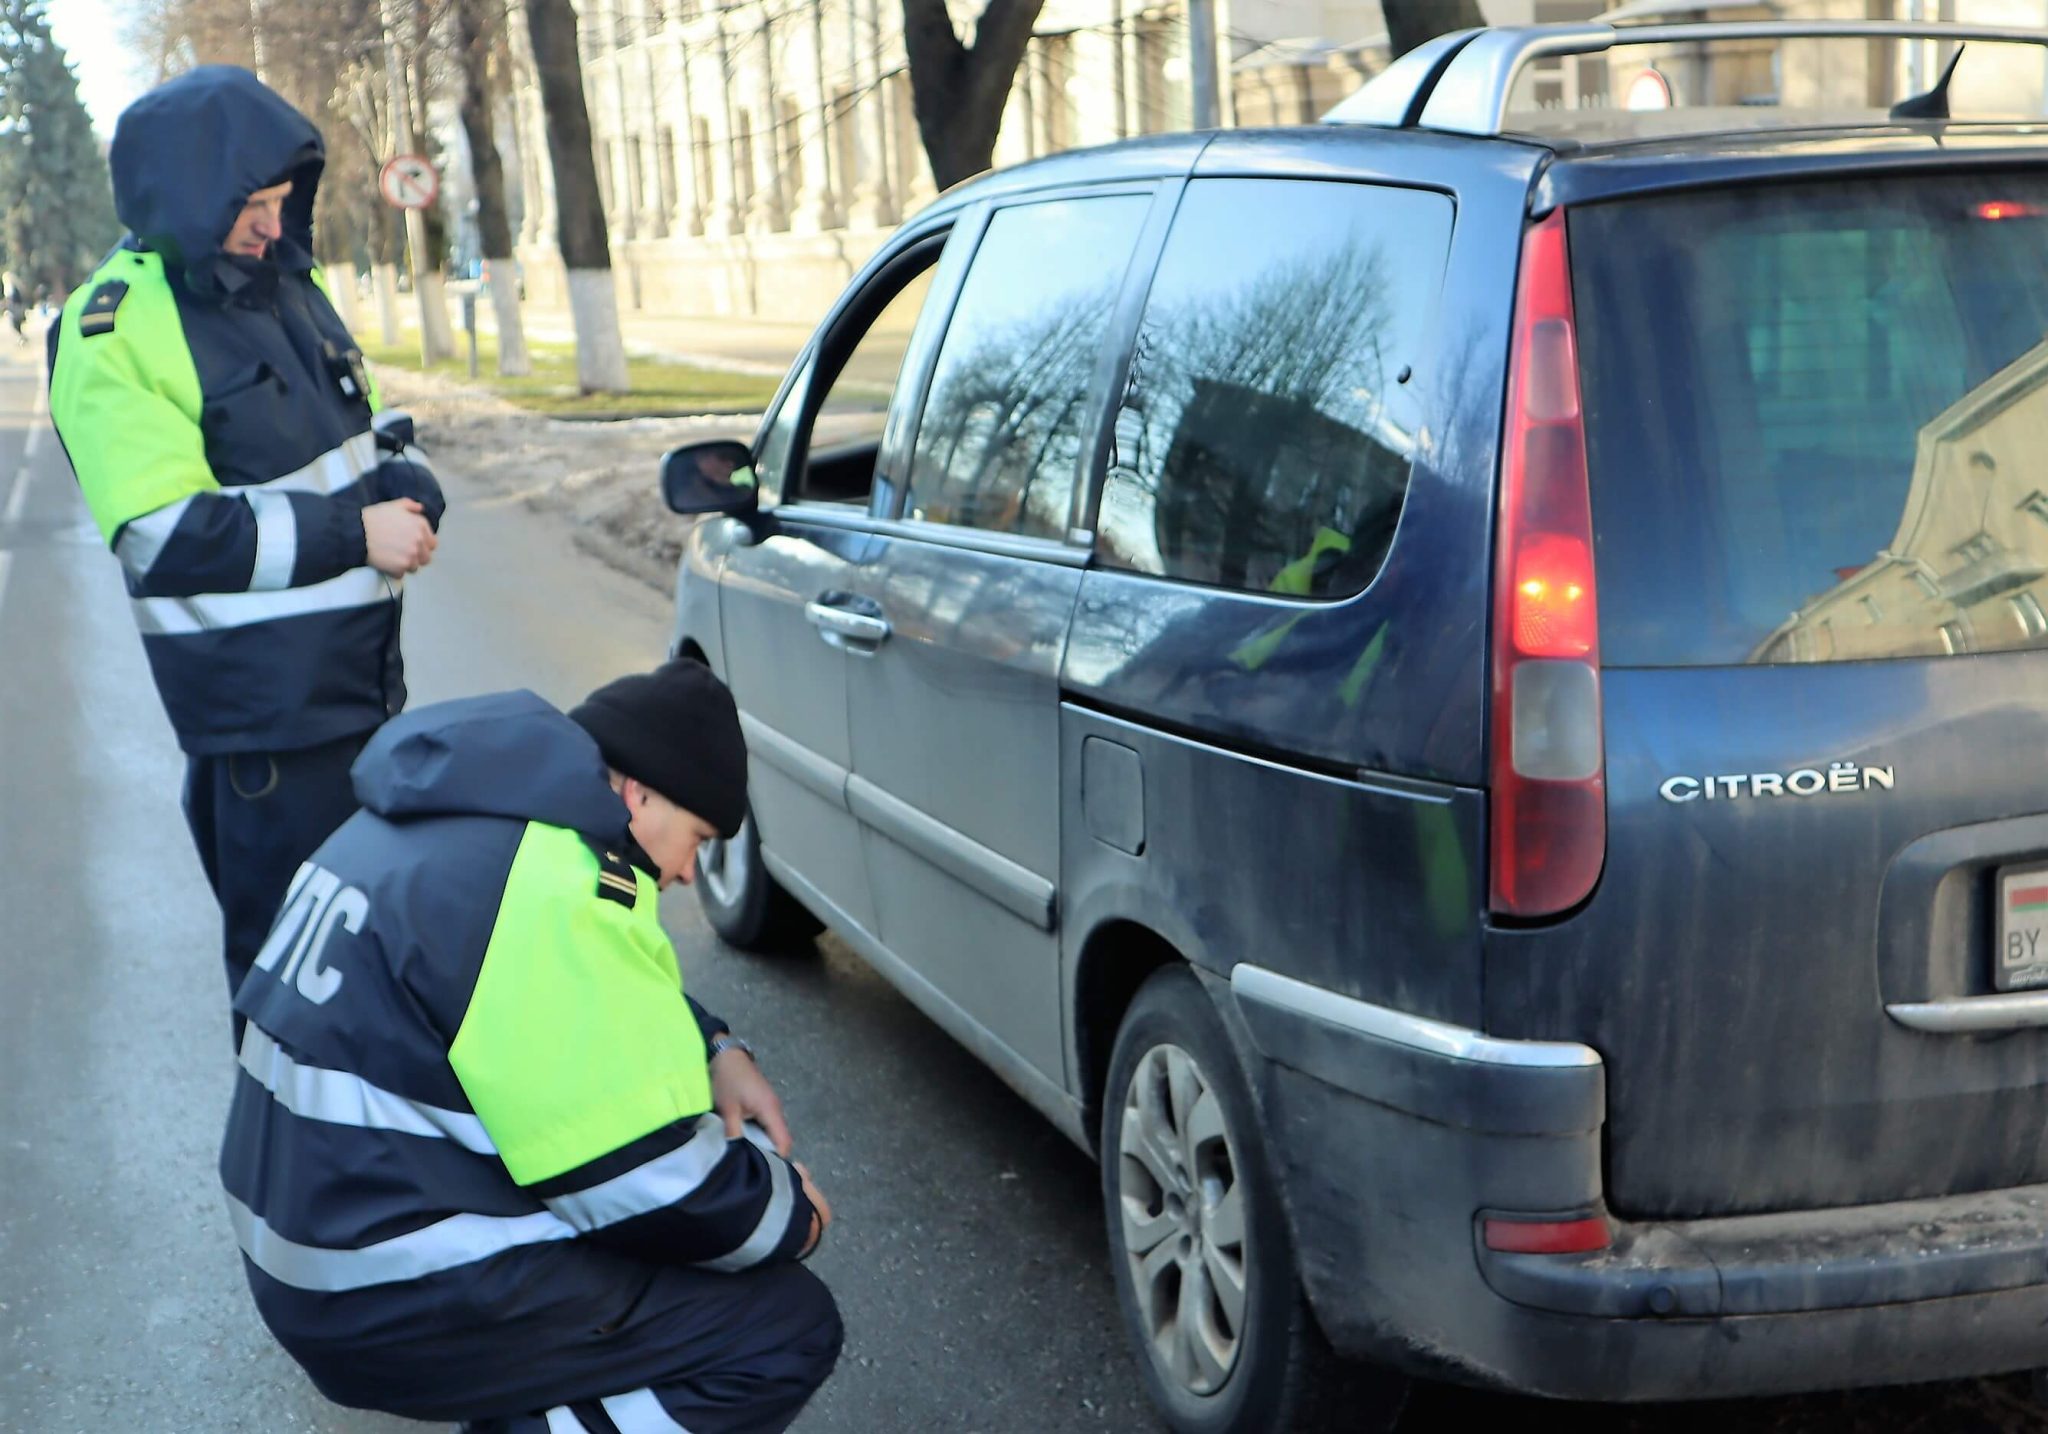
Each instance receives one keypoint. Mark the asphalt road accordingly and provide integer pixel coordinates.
(967, 1256)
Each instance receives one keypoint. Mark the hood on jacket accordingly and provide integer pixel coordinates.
(509, 754)
(187, 156)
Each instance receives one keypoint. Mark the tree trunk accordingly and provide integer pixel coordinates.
(958, 93)
(1410, 22)
(384, 275)
(579, 216)
(474, 36)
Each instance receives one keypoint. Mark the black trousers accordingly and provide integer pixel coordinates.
(703, 1354)
(255, 816)
(588, 1342)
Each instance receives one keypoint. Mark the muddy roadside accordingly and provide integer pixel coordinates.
(600, 478)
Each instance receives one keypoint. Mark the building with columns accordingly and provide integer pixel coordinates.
(752, 154)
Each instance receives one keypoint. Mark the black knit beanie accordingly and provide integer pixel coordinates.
(675, 729)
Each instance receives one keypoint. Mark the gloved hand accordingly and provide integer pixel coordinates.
(409, 477)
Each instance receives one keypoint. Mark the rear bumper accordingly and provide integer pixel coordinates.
(1395, 1136)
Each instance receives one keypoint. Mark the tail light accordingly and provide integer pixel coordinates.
(1549, 812)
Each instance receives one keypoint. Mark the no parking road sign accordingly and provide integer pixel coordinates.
(409, 181)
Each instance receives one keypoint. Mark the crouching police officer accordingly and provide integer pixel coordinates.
(219, 419)
(485, 1160)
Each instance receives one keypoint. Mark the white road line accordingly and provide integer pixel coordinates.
(17, 498)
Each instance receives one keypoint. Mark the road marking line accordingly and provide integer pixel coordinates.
(17, 498)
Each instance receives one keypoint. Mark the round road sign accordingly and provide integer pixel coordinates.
(409, 182)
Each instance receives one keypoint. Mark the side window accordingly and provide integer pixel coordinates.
(1269, 425)
(1010, 405)
(837, 436)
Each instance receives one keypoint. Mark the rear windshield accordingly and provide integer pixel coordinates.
(1817, 419)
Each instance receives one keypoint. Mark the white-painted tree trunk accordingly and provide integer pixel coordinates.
(341, 292)
(600, 349)
(437, 335)
(384, 278)
(512, 359)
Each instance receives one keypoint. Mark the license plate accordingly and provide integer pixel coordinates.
(2021, 960)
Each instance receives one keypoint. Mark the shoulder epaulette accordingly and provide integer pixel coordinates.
(97, 317)
(615, 879)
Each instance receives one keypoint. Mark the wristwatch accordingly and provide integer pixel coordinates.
(726, 1041)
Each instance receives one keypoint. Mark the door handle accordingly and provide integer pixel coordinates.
(843, 628)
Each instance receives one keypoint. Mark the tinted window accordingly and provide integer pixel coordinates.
(1011, 403)
(1814, 420)
(1271, 417)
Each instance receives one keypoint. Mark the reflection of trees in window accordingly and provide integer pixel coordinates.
(1002, 432)
(999, 443)
(1265, 443)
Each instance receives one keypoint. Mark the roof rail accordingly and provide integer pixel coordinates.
(1461, 82)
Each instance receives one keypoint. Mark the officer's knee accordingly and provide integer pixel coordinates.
(819, 1333)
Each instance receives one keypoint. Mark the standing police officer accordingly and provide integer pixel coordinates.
(486, 1161)
(219, 419)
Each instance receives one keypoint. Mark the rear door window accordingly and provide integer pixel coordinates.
(1817, 419)
(1271, 416)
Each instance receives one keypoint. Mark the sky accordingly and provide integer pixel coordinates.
(109, 74)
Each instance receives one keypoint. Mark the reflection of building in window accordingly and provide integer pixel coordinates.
(1967, 568)
(2027, 608)
(1257, 476)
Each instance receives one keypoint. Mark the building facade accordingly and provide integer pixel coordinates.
(751, 155)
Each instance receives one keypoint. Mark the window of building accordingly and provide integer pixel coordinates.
(1265, 440)
(742, 160)
(604, 176)
(789, 133)
(701, 160)
(665, 147)
(1012, 398)
(1955, 638)
(1055, 55)
(634, 173)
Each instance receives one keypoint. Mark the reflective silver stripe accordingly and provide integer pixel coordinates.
(358, 587)
(774, 1220)
(142, 539)
(340, 1098)
(562, 1420)
(445, 1245)
(660, 1182)
(641, 1413)
(1256, 983)
(331, 472)
(277, 541)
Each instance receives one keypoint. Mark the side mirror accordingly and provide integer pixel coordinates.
(715, 477)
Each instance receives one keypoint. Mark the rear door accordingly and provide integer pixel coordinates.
(954, 707)
(1817, 428)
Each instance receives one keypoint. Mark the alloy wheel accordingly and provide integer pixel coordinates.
(1183, 1216)
(722, 867)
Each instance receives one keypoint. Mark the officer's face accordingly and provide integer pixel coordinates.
(668, 833)
(260, 222)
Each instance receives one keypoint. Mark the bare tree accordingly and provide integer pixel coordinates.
(958, 90)
(477, 24)
(580, 230)
(1410, 22)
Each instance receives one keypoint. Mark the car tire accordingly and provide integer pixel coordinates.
(1194, 1214)
(743, 903)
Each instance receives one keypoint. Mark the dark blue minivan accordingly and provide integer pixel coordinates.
(1459, 695)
